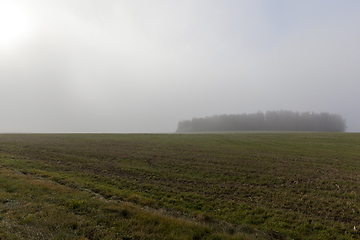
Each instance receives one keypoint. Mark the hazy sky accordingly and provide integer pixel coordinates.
(142, 66)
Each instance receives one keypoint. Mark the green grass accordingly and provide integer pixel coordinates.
(180, 186)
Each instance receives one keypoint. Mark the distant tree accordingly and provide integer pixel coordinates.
(282, 120)
(184, 126)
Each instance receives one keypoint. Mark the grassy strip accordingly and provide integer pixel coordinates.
(289, 184)
(36, 208)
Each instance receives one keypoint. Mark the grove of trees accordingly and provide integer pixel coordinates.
(270, 121)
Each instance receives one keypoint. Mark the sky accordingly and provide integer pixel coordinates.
(143, 66)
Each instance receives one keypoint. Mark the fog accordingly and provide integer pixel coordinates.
(143, 66)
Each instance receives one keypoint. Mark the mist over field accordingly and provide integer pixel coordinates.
(143, 66)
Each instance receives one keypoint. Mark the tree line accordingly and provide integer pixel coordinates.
(282, 120)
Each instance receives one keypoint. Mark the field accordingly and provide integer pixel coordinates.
(180, 186)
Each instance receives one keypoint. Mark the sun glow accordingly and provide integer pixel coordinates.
(14, 24)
